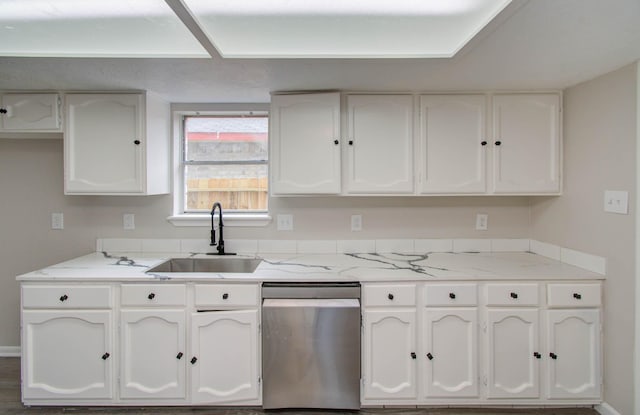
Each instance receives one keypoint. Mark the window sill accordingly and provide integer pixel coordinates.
(230, 219)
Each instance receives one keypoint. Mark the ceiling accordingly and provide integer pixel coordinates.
(534, 44)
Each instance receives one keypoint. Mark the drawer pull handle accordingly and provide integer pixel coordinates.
(484, 143)
(225, 296)
(336, 142)
(179, 356)
(429, 356)
(413, 355)
(577, 296)
(105, 356)
(514, 295)
(390, 296)
(194, 360)
(537, 355)
(553, 356)
(136, 142)
(452, 296)
(64, 298)
(151, 296)
(498, 143)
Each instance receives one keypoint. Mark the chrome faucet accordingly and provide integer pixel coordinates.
(220, 243)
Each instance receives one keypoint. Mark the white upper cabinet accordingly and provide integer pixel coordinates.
(116, 144)
(30, 112)
(305, 144)
(526, 144)
(453, 144)
(380, 144)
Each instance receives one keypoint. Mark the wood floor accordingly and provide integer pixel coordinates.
(10, 404)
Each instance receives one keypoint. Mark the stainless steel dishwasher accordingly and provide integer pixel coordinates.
(311, 345)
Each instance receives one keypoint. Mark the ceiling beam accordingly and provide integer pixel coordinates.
(184, 14)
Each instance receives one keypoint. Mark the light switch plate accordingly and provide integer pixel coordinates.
(482, 222)
(128, 221)
(285, 222)
(57, 221)
(616, 201)
(356, 223)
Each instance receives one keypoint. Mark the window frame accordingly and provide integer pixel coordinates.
(181, 218)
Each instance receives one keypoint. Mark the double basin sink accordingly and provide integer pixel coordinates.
(213, 265)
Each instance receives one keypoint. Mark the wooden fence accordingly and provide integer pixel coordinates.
(242, 194)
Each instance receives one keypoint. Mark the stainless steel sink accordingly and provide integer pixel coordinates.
(216, 265)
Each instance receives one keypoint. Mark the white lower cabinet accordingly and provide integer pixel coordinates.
(450, 352)
(390, 358)
(513, 353)
(152, 354)
(67, 355)
(224, 356)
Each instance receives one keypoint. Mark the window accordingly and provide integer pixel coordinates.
(221, 157)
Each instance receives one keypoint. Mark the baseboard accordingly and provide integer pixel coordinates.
(606, 409)
(9, 351)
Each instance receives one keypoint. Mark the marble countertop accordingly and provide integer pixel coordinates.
(104, 266)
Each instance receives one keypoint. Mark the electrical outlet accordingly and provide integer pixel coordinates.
(128, 221)
(285, 222)
(616, 201)
(57, 221)
(482, 222)
(356, 223)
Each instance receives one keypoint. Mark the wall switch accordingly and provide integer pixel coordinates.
(356, 223)
(57, 221)
(128, 221)
(285, 222)
(482, 222)
(616, 201)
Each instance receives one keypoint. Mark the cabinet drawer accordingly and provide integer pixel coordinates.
(223, 295)
(512, 294)
(451, 295)
(66, 296)
(574, 295)
(389, 295)
(153, 295)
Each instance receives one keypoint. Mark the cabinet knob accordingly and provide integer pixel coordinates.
(577, 296)
(350, 142)
(429, 356)
(194, 360)
(3, 110)
(336, 142)
(484, 143)
(151, 296)
(498, 143)
(225, 296)
(105, 356)
(390, 296)
(179, 355)
(413, 355)
(514, 295)
(553, 356)
(136, 142)
(537, 355)
(64, 298)
(452, 296)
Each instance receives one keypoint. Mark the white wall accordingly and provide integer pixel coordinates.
(31, 185)
(600, 127)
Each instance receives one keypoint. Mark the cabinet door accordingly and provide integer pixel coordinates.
(305, 144)
(574, 354)
(526, 143)
(380, 144)
(389, 360)
(512, 347)
(224, 356)
(30, 112)
(450, 352)
(150, 368)
(104, 143)
(453, 144)
(67, 354)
